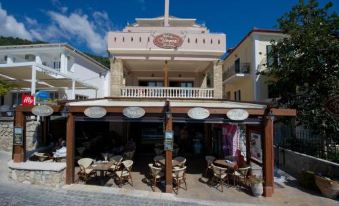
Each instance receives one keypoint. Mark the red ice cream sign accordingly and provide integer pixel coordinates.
(27, 100)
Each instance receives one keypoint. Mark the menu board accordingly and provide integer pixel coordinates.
(17, 136)
(256, 146)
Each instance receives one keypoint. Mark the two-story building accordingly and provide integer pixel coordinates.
(59, 69)
(241, 67)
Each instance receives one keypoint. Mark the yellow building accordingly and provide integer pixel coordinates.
(241, 81)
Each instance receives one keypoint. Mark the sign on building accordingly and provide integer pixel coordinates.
(42, 110)
(27, 100)
(198, 113)
(95, 112)
(168, 41)
(134, 112)
(237, 114)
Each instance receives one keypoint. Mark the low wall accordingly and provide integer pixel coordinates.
(38, 173)
(6, 134)
(295, 162)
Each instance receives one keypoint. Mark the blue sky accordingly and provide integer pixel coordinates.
(84, 23)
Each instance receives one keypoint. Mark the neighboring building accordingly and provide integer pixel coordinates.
(61, 70)
(166, 57)
(241, 80)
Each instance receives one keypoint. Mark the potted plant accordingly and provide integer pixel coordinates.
(328, 187)
(256, 185)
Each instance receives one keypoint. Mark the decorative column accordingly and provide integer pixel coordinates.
(33, 81)
(19, 150)
(217, 80)
(70, 149)
(268, 158)
(117, 75)
(166, 83)
(63, 63)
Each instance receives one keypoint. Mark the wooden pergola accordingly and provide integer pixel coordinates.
(261, 119)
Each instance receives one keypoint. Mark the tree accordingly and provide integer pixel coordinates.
(306, 66)
(5, 87)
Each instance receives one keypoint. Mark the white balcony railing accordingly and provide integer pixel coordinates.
(167, 92)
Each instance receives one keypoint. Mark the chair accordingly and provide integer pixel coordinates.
(125, 172)
(179, 177)
(85, 172)
(129, 155)
(220, 174)
(156, 174)
(156, 160)
(209, 161)
(158, 151)
(241, 174)
(116, 162)
(181, 160)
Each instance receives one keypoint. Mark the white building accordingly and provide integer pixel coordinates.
(241, 78)
(63, 71)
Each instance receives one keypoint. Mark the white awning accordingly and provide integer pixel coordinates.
(216, 104)
(118, 103)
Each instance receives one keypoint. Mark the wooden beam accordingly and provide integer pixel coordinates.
(70, 149)
(169, 157)
(284, 112)
(268, 157)
(19, 151)
(166, 82)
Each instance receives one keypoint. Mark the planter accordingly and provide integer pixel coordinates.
(257, 189)
(329, 188)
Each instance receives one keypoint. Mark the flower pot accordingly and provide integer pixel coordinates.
(257, 189)
(329, 188)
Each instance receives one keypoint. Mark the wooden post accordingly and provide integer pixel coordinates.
(19, 151)
(70, 149)
(168, 166)
(166, 83)
(248, 146)
(268, 158)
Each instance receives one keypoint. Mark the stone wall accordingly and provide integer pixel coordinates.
(294, 163)
(38, 173)
(6, 134)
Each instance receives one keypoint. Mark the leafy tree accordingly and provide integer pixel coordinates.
(306, 65)
(5, 87)
(5, 41)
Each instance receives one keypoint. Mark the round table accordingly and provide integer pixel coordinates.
(224, 164)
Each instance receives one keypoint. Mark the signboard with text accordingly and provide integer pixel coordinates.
(27, 100)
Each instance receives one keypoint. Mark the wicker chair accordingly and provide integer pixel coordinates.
(156, 174)
(116, 162)
(125, 172)
(209, 161)
(85, 172)
(220, 174)
(240, 175)
(179, 177)
(156, 160)
(181, 160)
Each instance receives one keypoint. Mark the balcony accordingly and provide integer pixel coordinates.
(167, 92)
(241, 70)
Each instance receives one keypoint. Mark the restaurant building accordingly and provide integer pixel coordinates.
(166, 77)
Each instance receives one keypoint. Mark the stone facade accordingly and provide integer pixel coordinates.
(117, 77)
(38, 177)
(38, 173)
(217, 80)
(6, 134)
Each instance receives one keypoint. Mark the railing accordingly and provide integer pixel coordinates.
(244, 68)
(167, 92)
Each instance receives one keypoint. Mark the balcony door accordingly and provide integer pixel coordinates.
(151, 83)
(183, 84)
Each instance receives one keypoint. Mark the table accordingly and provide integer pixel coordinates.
(102, 167)
(174, 162)
(224, 164)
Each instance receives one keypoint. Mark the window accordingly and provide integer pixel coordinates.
(16, 98)
(270, 59)
(237, 65)
(228, 95)
(80, 97)
(237, 95)
(56, 65)
(183, 84)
